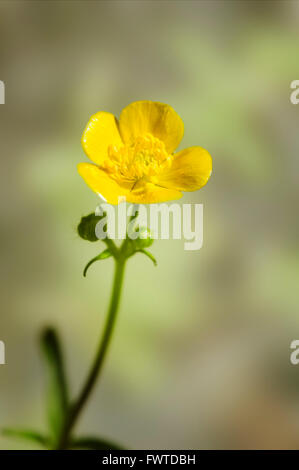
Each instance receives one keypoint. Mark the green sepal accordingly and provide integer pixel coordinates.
(149, 255)
(93, 443)
(87, 226)
(28, 435)
(104, 255)
(57, 390)
(144, 239)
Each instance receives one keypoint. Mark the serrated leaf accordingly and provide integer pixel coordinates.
(27, 434)
(93, 443)
(57, 391)
(104, 255)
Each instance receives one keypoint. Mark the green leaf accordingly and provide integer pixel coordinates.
(104, 255)
(57, 392)
(93, 443)
(87, 227)
(27, 434)
(149, 255)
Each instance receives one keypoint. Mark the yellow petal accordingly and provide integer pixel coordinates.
(152, 194)
(100, 182)
(106, 187)
(158, 119)
(100, 132)
(190, 170)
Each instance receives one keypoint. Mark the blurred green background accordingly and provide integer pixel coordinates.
(200, 356)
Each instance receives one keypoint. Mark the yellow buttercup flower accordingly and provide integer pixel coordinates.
(134, 158)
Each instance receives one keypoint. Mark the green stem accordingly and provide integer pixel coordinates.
(100, 356)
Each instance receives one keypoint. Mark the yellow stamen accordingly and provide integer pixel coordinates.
(144, 158)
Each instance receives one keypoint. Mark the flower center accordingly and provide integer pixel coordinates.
(144, 158)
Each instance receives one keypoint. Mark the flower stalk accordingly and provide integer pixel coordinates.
(128, 248)
(97, 365)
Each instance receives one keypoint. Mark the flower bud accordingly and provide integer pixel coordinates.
(87, 227)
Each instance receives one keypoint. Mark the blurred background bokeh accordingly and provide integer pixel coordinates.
(201, 354)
